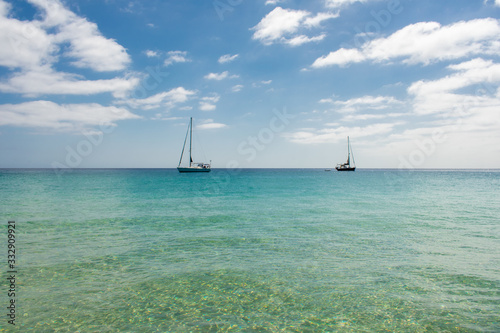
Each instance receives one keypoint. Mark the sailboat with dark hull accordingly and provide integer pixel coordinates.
(193, 167)
(348, 166)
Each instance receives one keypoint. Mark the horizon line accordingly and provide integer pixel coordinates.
(261, 168)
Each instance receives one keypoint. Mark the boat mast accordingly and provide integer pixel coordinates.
(190, 140)
(183, 147)
(353, 162)
(348, 153)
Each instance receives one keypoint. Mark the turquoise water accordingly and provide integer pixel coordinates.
(253, 251)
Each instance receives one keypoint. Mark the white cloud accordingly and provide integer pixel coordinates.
(281, 25)
(167, 99)
(91, 49)
(46, 81)
(424, 43)
(204, 106)
(87, 45)
(212, 99)
(278, 23)
(176, 56)
(220, 76)
(65, 117)
(227, 58)
(210, 124)
(237, 88)
(151, 54)
(441, 95)
(462, 108)
(275, 2)
(302, 39)
(208, 103)
(495, 2)
(32, 48)
(363, 103)
(259, 84)
(315, 21)
(340, 57)
(24, 44)
(4, 8)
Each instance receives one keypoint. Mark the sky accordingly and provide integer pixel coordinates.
(269, 83)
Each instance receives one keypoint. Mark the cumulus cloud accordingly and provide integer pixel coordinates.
(424, 43)
(87, 45)
(463, 107)
(32, 48)
(61, 117)
(282, 25)
(176, 56)
(443, 95)
(278, 23)
(24, 44)
(151, 54)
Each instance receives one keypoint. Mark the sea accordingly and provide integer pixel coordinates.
(250, 250)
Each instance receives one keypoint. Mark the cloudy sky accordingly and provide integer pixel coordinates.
(269, 83)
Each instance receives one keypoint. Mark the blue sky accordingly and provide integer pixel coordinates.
(112, 83)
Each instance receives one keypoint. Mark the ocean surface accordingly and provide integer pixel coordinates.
(152, 250)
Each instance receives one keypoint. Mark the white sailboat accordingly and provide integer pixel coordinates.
(193, 167)
(348, 166)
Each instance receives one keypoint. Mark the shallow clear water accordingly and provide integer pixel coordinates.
(254, 250)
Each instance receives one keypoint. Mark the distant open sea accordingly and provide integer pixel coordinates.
(252, 250)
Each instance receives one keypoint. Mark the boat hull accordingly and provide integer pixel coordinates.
(346, 169)
(185, 170)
